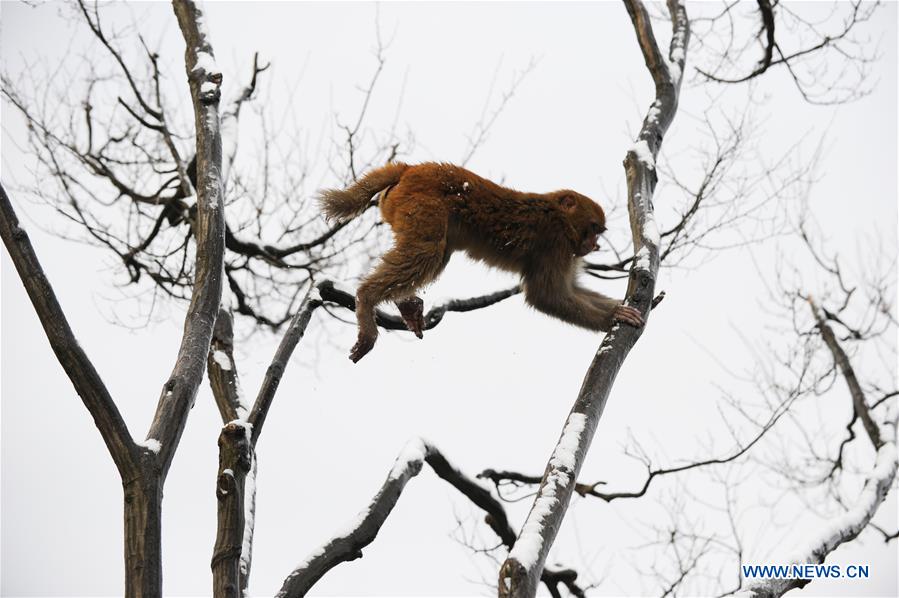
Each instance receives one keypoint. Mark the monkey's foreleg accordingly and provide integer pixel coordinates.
(628, 315)
(613, 310)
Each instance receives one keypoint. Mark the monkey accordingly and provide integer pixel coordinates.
(436, 209)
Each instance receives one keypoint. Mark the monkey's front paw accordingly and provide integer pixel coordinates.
(628, 315)
(412, 310)
(363, 345)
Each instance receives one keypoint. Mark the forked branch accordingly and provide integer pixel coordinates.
(348, 545)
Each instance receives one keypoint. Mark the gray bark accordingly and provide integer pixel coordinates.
(520, 573)
(71, 356)
(143, 465)
(348, 545)
(232, 553)
(180, 390)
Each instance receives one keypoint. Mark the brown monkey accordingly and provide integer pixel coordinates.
(436, 209)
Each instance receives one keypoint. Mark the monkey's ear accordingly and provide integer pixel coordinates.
(567, 202)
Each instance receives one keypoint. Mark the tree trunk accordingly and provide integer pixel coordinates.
(235, 461)
(143, 531)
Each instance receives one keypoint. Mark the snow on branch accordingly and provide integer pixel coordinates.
(348, 545)
(236, 482)
(178, 393)
(222, 370)
(520, 573)
(516, 479)
(846, 527)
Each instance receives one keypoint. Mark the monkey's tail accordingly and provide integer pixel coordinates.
(343, 204)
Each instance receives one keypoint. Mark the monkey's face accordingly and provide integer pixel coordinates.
(587, 220)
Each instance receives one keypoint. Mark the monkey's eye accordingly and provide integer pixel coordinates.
(596, 229)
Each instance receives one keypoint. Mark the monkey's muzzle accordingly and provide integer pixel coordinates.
(588, 245)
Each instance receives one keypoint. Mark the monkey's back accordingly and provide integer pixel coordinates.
(498, 225)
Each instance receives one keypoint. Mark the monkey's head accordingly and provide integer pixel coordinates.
(586, 218)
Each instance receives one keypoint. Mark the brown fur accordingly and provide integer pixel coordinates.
(344, 204)
(436, 209)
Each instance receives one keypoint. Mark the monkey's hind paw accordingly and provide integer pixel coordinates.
(412, 310)
(363, 345)
(628, 315)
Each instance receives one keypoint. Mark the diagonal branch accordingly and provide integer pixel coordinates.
(846, 527)
(767, 13)
(843, 528)
(71, 356)
(520, 572)
(859, 405)
(269, 387)
(222, 370)
(348, 545)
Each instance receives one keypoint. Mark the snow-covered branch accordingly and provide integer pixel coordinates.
(236, 481)
(847, 526)
(348, 545)
(222, 370)
(236, 496)
(180, 390)
(520, 572)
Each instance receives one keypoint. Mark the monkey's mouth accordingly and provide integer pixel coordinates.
(588, 245)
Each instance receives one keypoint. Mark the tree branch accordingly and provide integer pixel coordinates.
(843, 528)
(269, 387)
(767, 13)
(331, 293)
(362, 532)
(841, 360)
(180, 390)
(585, 489)
(222, 370)
(236, 482)
(237, 462)
(71, 356)
(520, 572)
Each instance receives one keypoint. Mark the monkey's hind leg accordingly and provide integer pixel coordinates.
(412, 309)
(404, 269)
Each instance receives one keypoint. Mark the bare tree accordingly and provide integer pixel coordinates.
(184, 217)
(143, 464)
(521, 571)
(828, 57)
(845, 476)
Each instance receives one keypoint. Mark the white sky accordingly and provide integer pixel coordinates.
(490, 388)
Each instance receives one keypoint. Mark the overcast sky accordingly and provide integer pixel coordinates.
(491, 388)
